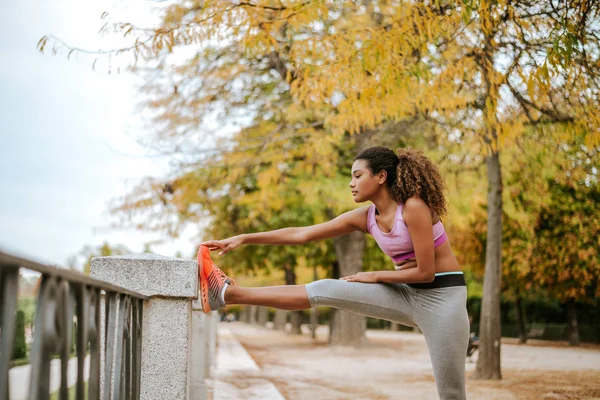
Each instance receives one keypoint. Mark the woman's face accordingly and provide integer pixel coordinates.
(364, 184)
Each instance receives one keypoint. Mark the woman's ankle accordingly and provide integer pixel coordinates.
(229, 295)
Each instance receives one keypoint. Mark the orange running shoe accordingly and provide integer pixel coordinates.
(212, 280)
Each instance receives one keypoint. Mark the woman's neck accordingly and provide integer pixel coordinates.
(384, 203)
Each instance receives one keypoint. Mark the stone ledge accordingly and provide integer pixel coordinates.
(149, 274)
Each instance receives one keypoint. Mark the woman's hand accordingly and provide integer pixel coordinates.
(225, 245)
(366, 277)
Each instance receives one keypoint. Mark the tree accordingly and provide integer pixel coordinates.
(535, 220)
(19, 346)
(513, 65)
(527, 69)
(104, 250)
(566, 260)
(526, 175)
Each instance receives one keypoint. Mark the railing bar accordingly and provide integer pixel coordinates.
(134, 350)
(3, 392)
(82, 305)
(111, 304)
(137, 332)
(107, 296)
(128, 371)
(119, 349)
(128, 351)
(123, 393)
(8, 261)
(45, 318)
(1, 292)
(94, 338)
(65, 324)
(9, 290)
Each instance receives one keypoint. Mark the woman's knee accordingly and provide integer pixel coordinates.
(321, 288)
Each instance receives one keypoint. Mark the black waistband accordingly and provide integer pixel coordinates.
(441, 282)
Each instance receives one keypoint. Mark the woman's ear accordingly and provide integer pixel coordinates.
(382, 177)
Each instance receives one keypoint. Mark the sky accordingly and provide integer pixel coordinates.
(68, 133)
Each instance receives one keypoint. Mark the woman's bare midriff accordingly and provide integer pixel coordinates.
(444, 261)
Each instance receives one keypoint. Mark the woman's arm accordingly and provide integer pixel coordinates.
(345, 223)
(419, 222)
(409, 275)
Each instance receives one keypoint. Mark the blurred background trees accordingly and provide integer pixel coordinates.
(263, 105)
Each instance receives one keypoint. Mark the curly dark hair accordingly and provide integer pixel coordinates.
(409, 173)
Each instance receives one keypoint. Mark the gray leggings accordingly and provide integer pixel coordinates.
(440, 313)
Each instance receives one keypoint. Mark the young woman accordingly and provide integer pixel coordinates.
(427, 288)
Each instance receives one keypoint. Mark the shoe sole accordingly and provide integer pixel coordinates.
(203, 284)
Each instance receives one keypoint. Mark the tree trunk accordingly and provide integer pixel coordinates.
(296, 316)
(573, 327)
(313, 310)
(346, 328)
(280, 319)
(520, 320)
(253, 316)
(245, 316)
(296, 322)
(262, 316)
(488, 362)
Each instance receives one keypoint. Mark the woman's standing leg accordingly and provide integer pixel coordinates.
(442, 316)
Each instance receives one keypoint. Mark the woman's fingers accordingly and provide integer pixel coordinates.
(212, 245)
(226, 249)
(224, 245)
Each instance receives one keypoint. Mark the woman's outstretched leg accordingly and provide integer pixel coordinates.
(290, 297)
(386, 301)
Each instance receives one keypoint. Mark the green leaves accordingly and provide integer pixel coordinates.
(567, 231)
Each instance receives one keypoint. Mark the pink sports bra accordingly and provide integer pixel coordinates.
(397, 243)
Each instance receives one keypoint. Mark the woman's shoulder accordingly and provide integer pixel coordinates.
(415, 208)
(359, 217)
(415, 203)
(364, 210)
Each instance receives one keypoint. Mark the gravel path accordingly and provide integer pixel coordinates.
(396, 365)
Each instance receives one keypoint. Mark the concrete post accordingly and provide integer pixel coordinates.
(280, 319)
(210, 349)
(253, 316)
(247, 314)
(244, 314)
(200, 360)
(171, 284)
(262, 316)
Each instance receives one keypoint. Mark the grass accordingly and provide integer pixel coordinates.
(54, 395)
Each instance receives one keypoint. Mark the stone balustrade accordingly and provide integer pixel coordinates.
(178, 339)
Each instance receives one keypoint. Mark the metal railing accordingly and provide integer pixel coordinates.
(65, 297)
